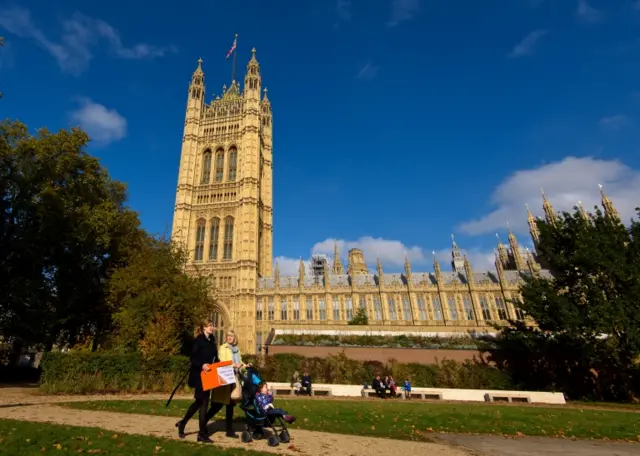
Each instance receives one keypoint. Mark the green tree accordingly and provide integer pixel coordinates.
(587, 339)
(64, 227)
(155, 304)
(360, 317)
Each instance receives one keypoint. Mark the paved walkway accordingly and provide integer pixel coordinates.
(21, 404)
(539, 446)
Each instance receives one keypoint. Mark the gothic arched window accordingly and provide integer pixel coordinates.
(219, 165)
(228, 238)
(206, 167)
(214, 233)
(233, 164)
(200, 232)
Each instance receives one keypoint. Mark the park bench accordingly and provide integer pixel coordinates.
(288, 391)
(506, 397)
(320, 391)
(368, 392)
(284, 391)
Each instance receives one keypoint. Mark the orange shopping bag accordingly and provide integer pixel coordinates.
(221, 374)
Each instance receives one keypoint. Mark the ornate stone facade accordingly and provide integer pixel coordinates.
(223, 210)
(223, 215)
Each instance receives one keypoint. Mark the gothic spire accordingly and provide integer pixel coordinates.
(407, 266)
(515, 250)
(337, 264)
(457, 262)
(609, 208)
(549, 213)
(533, 226)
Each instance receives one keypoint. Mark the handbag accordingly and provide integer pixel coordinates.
(236, 394)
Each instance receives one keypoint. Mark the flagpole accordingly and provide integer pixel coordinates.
(235, 53)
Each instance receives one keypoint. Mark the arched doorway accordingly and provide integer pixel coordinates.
(219, 322)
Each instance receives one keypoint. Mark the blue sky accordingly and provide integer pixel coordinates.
(396, 122)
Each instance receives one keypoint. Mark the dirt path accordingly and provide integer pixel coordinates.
(303, 443)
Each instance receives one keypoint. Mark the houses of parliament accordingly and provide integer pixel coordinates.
(224, 217)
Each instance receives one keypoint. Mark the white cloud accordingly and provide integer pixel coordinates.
(103, 125)
(402, 11)
(614, 123)
(527, 45)
(565, 183)
(391, 253)
(288, 266)
(587, 13)
(367, 72)
(80, 35)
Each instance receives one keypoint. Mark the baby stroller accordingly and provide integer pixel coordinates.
(257, 420)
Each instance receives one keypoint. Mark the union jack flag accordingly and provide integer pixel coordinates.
(233, 47)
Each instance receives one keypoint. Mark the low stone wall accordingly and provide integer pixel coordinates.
(446, 394)
(402, 355)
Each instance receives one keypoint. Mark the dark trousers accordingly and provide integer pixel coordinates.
(275, 412)
(306, 388)
(228, 418)
(200, 404)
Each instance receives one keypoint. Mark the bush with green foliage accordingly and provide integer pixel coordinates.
(360, 318)
(403, 341)
(111, 372)
(587, 340)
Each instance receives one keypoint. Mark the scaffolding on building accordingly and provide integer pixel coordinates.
(317, 265)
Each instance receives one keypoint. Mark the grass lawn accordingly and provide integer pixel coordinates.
(414, 420)
(30, 439)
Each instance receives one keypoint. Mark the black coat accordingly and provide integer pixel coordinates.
(205, 351)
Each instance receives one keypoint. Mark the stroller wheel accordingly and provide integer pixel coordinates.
(258, 434)
(284, 436)
(246, 437)
(273, 441)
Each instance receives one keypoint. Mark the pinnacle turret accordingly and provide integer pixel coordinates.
(609, 209)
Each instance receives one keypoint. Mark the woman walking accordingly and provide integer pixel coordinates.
(229, 351)
(205, 352)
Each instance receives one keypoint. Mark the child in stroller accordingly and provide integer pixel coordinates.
(256, 417)
(265, 401)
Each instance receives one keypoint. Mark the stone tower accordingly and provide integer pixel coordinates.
(223, 211)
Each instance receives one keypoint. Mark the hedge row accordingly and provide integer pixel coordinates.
(101, 372)
(402, 341)
(105, 372)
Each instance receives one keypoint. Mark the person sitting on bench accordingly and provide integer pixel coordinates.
(379, 387)
(306, 383)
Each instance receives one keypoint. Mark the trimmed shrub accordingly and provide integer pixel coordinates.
(106, 372)
(402, 341)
